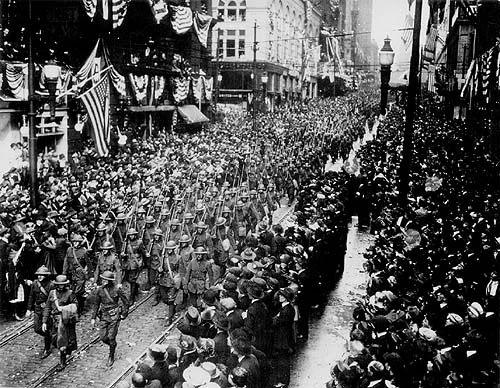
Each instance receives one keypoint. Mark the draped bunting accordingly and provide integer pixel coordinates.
(118, 82)
(209, 83)
(182, 19)
(139, 87)
(158, 86)
(201, 26)
(180, 89)
(197, 85)
(84, 72)
(119, 9)
(90, 7)
(16, 75)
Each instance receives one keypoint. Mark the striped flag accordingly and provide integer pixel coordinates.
(182, 19)
(119, 9)
(96, 101)
(407, 35)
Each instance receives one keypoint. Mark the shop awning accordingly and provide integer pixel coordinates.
(191, 114)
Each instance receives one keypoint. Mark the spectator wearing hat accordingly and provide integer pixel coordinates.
(61, 249)
(61, 311)
(238, 378)
(221, 347)
(188, 354)
(190, 324)
(159, 369)
(257, 319)
(242, 349)
(5, 248)
(279, 241)
(78, 267)
(169, 279)
(233, 314)
(173, 370)
(283, 338)
(111, 306)
(39, 294)
(108, 261)
(216, 376)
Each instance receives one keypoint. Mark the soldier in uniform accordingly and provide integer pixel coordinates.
(164, 220)
(169, 279)
(140, 222)
(224, 246)
(185, 253)
(110, 311)
(240, 224)
(202, 239)
(100, 237)
(147, 237)
(61, 311)
(39, 294)
(156, 254)
(199, 276)
(108, 261)
(133, 261)
(188, 226)
(78, 267)
(120, 233)
(175, 230)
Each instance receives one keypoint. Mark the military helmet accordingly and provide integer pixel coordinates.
(184, 239)
(158, 232)
(149, 220)
(131, 231)
(43, 270)
(171, 245)
(107, 245)
(200, 251)
(101, 227)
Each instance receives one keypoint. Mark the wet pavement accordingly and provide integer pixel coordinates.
(330, 325)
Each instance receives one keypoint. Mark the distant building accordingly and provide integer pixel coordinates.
(287, 33)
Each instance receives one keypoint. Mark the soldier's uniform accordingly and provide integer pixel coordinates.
(108, 261)
(202, 239)
(169, 279)
(37, 302)
(199, 276)
(110, 311)
(120, 233)
(146, 240)
(78, 267)
(132, 263)
(175, 233)
(156, 254)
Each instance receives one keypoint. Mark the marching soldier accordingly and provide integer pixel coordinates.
(110, 311)
(188, 226)
(61, 311)
(185, 253)
(202, 239)
(241, 224)
(164, 220)
(100, 237)
(78, 267)
(140, 222)
(156, 254)
(147, 237)
(108, 261)
(169, 279)
(223, 247)
(120, 233)
(175, 230)
(199, 276)
(39, 294)
(133, 260)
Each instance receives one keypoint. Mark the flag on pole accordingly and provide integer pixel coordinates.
(407, 35)
(96, 101)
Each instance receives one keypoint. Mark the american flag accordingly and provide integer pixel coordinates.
(96, 101)
(119, 8)
(407, 35)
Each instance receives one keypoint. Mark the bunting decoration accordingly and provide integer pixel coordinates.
(118, 82)
(90, 7)
(201, 26)
(407, 35)
(180, 89)
(209, 87)
(182, 19)
(139, 87)
(119, 9)
(158, 86)
(198, 86)
(487, 61)
(84, 73)
(16, 76)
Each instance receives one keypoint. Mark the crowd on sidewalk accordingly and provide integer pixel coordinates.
(430, 317)
(191, 214)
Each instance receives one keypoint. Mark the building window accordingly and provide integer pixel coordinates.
(241, 48)
(230, 48)
(232, 11)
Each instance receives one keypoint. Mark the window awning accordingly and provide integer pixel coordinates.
(191, 114)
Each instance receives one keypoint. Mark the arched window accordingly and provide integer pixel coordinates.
(232, 11)
(242, 11)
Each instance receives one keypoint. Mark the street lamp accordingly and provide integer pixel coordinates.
(51, 73)
(216, 97)
(386, 59)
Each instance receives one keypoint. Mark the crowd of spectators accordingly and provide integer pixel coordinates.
(430, 317)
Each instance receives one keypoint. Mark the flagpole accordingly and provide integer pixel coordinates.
(82, 83)
(32, 149)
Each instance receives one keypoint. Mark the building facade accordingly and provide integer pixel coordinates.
(275, 39)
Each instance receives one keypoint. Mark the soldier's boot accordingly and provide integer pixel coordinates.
(111, 358)
(157, 296)
(62, 361)
(46, 349)
(133, 292)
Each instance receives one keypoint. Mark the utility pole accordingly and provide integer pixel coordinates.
(32, 150)
(334, 76)
(404, 172)
(354, 19)
(216, 76)
(254, 100)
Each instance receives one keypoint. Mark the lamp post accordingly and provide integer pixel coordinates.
(51, 73)
(216, 97)
(386, 59)
(264, 78)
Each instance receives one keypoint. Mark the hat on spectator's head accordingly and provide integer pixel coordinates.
(210, 296)
(427, 334)
(157, 351)
(287, 293)
(475, 310)
(255, 291)
(196, 376)
(193, 316)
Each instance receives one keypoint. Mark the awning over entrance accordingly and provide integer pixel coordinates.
(191, 114)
